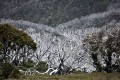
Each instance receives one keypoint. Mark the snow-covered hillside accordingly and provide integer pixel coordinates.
(65, 40)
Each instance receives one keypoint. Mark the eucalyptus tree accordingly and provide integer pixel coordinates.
(15, 45)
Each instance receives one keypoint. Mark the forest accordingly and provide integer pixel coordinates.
(60, 40)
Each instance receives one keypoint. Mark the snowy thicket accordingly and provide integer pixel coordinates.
(50, 12)
(64, 42)
(53, 45)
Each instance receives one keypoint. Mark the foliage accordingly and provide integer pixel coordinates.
(42, 66)
(101, 45)
(1, 45)
(16, 40)
(6, 70)
(9, 71)
(28, 64)
(15, 73)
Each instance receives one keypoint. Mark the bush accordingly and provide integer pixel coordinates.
(42, 66)
(15, 73)
(6, 69)
(29, 64)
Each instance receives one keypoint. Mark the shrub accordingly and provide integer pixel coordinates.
(6, 69)
(15, 73)
(42, 66)
(28, 64)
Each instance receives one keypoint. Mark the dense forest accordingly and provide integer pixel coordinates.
(59, 37)
(51, 12)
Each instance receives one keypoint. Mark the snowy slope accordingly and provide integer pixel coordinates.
(65, 40)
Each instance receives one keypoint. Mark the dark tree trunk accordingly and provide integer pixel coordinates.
(60, 70)
(108, 61)
(96, 63)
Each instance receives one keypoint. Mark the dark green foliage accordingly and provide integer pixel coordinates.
(42, 66)
(6, 69)
(28, 64)
(12, 35)
(1, 45)
(15, 73)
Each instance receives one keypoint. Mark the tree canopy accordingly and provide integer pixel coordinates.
(14, 43)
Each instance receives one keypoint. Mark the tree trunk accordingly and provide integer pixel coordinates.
(109, 63)
(96, 63)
